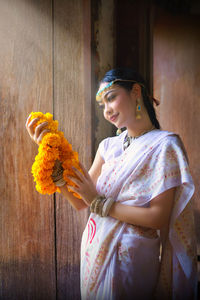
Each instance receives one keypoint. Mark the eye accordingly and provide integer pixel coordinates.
(111, 97)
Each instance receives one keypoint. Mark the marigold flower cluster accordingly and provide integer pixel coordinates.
(54, 146)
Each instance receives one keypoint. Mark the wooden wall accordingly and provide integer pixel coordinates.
(103, 51)
(176, 83)
(44, 66)
(72, 106)
(133, 37)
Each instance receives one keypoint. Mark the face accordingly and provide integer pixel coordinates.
(118, 106)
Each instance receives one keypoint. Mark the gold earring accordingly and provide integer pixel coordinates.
(119, 131)
(138, 110)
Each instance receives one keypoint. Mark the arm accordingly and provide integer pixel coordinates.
(77, 203)
(95, 169)
(89, 191)
(85, 184)
(156, 216)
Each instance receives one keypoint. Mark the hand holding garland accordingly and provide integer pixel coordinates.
(53, 147)
(56, 164)
(83, 185)
(36, 132)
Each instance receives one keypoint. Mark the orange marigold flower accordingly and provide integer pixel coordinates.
(52, 125)
(53, 146)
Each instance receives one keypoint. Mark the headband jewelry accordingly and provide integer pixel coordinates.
(109, 86)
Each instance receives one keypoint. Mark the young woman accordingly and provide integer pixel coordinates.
(139, 192)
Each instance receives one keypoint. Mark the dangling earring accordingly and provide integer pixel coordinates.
(119, 131)
(138, 110)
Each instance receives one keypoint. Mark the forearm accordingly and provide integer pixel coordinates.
(140, 216)
(156, 216)
(77, 203)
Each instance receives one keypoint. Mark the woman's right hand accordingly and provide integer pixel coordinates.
(39, 131)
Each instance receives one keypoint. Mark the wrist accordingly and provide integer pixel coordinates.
(101, 205)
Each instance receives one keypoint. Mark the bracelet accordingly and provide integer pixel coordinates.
(101, 205)
(96, 203)
(107, 206)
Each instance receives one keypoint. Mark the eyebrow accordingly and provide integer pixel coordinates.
(108, 92)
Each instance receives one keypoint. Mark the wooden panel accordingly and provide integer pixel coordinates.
(102, 24)
(127, 34)
(133, 36)
(27, 263)
(176, 84)
(72, 107)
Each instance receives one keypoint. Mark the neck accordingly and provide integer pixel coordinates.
(140, 127)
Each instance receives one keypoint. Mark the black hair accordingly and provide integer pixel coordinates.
(129, 74)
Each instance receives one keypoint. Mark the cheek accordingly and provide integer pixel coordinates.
(117, 104)
(121, 105)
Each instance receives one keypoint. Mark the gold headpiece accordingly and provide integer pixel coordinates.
(109, 86)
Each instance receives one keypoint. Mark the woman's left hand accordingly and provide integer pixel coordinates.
(84, 185)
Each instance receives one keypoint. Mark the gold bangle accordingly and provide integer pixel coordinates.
(107, 206)
(97, 206)
(101, 205)
(94, 203)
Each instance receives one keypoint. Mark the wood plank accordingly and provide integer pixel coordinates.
(72, 107)
(102, 35)
(176, 84)
(27, 258)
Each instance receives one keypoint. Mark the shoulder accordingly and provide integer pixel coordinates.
(171, 143)
(159, 140)
(168, 138)
(113, 139)
(172, 140)
(112, 145)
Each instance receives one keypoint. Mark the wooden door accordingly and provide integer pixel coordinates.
(44, 65)
(27, 250)
(72, 106)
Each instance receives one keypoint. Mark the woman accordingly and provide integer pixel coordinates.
(138, 186)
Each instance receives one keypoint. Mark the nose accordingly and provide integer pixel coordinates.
(107, 108)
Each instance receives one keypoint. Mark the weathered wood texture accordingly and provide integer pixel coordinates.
(133, 37)
(27, 260)
(44, 66)
(176, 84)
(103, 48)
(72, 106)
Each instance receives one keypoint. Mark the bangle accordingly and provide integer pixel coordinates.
(107, 206)
(94, 203)
(101, 205)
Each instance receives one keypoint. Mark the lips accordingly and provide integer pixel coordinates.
(114, 117)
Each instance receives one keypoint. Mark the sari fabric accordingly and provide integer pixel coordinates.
(122, 261)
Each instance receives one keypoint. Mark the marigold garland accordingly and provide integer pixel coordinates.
(53, 146)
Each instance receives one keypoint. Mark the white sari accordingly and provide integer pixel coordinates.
(121, 261)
